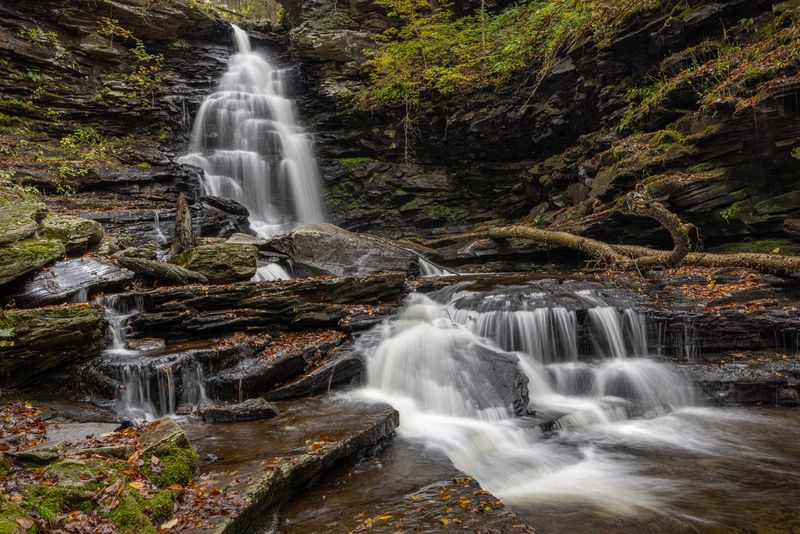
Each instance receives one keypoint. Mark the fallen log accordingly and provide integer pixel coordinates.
(165, 272)
(644, 258)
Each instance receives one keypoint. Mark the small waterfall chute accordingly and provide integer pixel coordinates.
(271, 271)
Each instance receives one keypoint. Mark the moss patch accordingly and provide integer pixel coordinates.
(28, 255)
(355, 161)
(130, 518)
(161, 505)
(176, 466)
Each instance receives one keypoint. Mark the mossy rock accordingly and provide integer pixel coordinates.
(23, 257)
(20, 220)
(78, 235)
(113, 244)
(165, 440)
(161, 506)
(221, 263)
(50, 501)
(42, 339)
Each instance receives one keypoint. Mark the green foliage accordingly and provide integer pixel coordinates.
(145, 73)
(736, 73)
(731, 212)
(83, 137)
(40, 37)
(432, 50)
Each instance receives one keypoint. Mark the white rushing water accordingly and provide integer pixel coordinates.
(151, 386)
(426, 364)
(271, 271)
(249, 143)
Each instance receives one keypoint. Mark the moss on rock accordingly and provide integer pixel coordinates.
(19, 220)
(44, 338)
(221, 262)
(9, 513)
(176, 466)
(25, 256)
(130, 518)
(78, 235)
(160, 507)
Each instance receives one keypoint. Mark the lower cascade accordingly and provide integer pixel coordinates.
(150, 384)
(437, 364)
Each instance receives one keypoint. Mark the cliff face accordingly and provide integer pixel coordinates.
(96, 101)
(698, 100)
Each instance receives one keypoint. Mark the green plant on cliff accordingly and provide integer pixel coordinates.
(145, 72)
(433, 50)
(38, 36)
(737, 72)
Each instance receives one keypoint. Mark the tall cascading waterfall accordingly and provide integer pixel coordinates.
(247, 140)
(425, 364)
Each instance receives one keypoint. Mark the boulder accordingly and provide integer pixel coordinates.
(247, 239)
(221, 263)
(64, 280)
(249, 410)
(78, 235)
(22, 257)
(43, 339)
(19, 220)
(160, 436)
(44, 453)
(170, 459)
(329, 249)
(113, 244)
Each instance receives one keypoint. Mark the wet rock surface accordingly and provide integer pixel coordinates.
(327, 249)
(191, 312)
(66, 280)
(268, 461)
(248, 410)
(754, 380)
(404, 487)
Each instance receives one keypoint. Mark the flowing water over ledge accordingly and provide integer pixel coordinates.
(613, 441)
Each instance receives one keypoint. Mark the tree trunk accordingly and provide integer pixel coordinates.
(183, 236)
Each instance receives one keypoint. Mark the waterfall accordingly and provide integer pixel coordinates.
(247, 140)
(150, 386)
(271, 271)
(158, 233)
(429, 269)
(428, 363)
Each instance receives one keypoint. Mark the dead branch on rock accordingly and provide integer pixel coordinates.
(644, 258)
(159, 270)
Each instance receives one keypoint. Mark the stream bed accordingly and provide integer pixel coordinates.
(700, 470)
